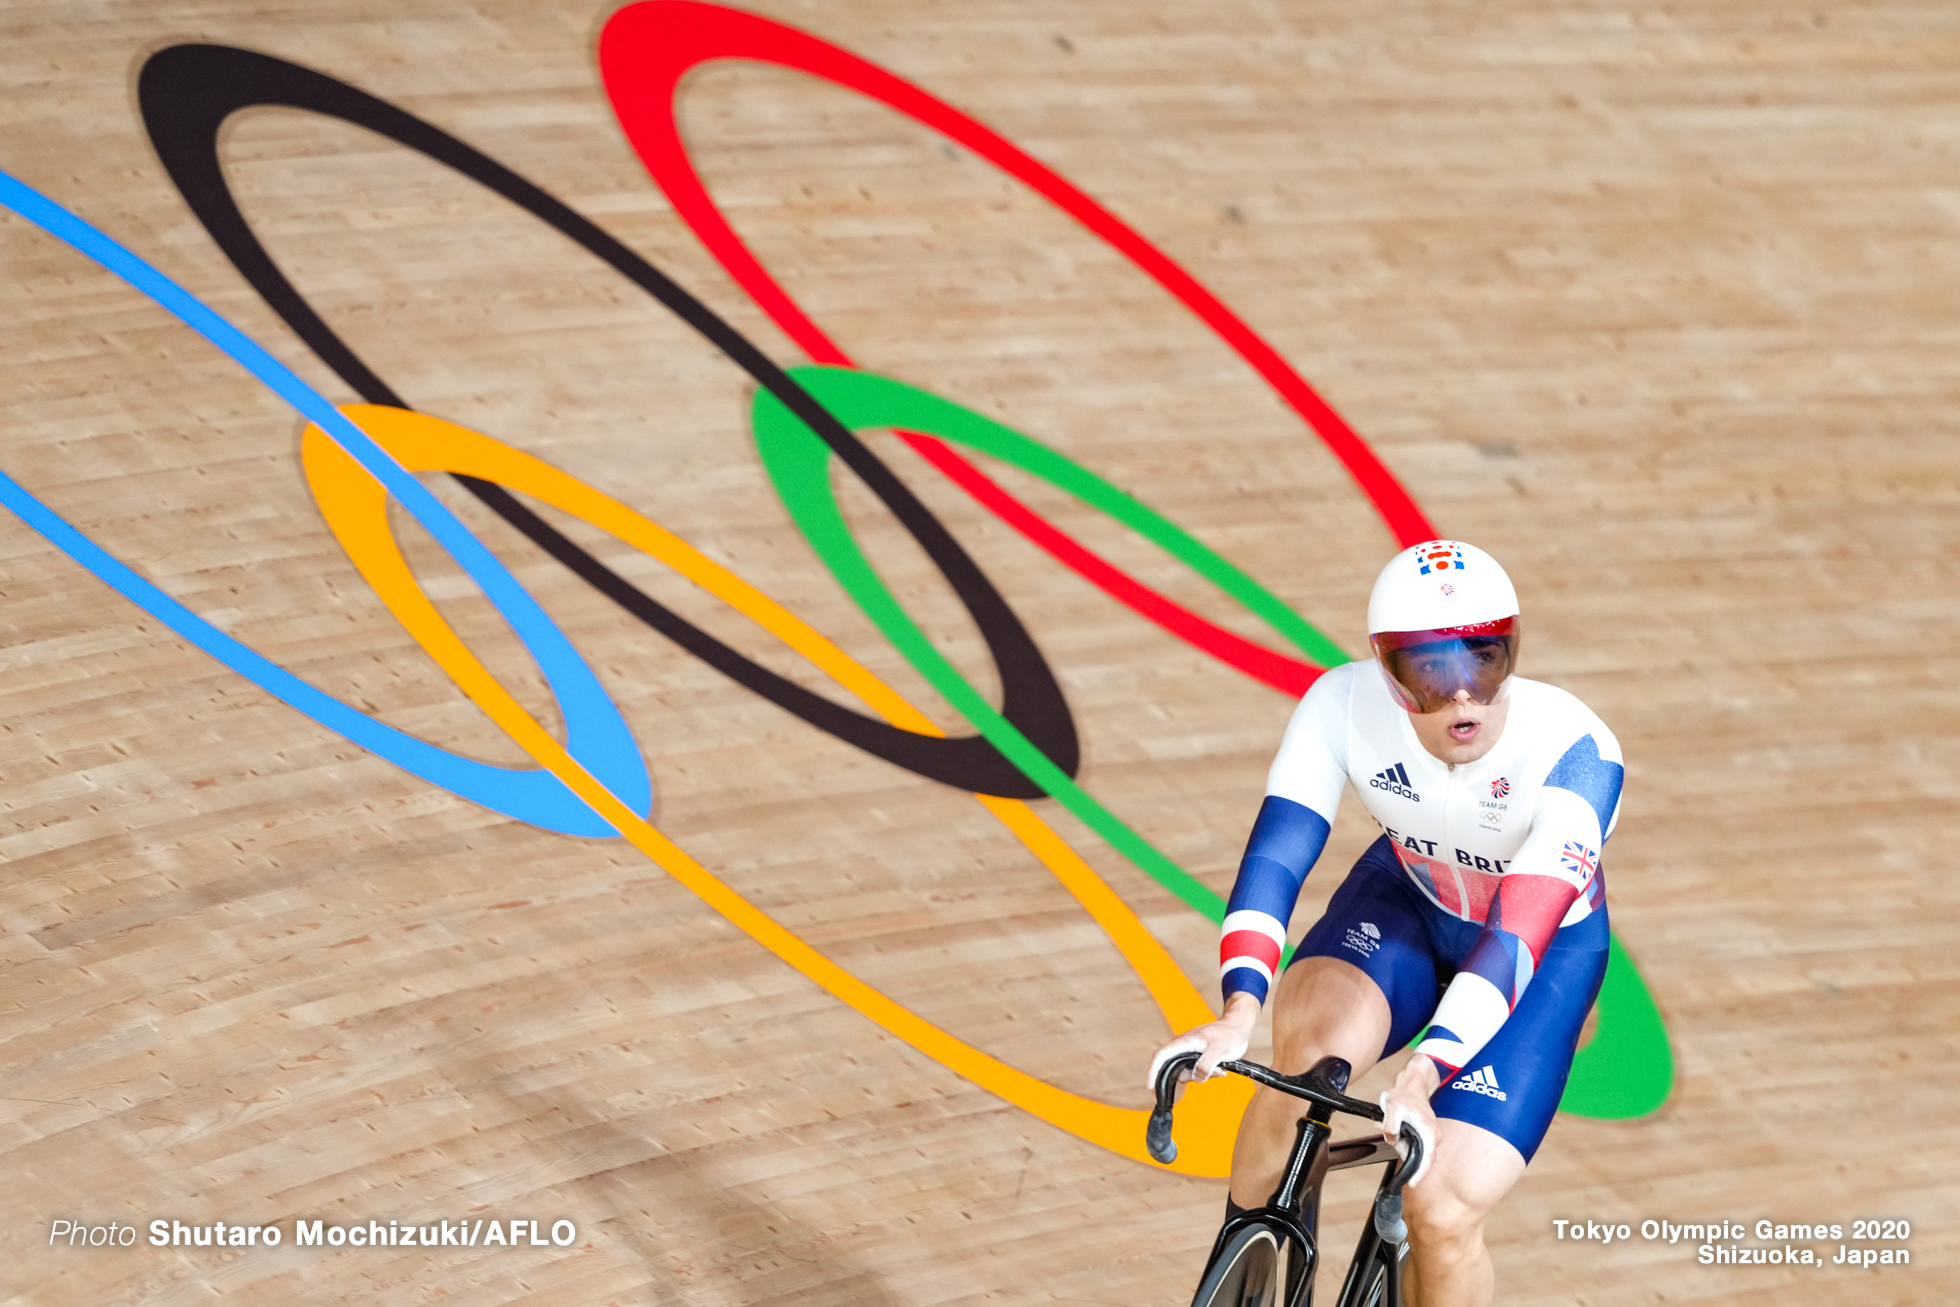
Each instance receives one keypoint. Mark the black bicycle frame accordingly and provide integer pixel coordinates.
(1292, 1211)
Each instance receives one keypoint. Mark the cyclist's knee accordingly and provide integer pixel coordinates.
(1440, 1220)
(1472, 1173)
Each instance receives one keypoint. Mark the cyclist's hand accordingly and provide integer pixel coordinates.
(1216, 1041)
(1408, 1101)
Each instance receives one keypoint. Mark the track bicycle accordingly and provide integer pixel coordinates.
(1265, 1256)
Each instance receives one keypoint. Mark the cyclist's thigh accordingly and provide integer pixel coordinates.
(1377, 924)
(1512, 1087)
(1327, 1006)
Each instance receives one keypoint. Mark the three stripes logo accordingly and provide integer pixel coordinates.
(1481, 1082)
(1396, 781)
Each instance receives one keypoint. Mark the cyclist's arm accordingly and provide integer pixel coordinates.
(1558, 861)
(1303, 792)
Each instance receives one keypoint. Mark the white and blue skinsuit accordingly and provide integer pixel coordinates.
(1487, 869)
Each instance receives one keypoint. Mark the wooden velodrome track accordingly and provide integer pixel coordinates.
(1660, 306)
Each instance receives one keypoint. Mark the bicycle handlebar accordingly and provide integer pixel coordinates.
(1309, 1086)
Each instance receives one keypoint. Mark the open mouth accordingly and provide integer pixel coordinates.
(1464, 731)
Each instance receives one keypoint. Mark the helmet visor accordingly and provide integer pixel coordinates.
(1431, 668)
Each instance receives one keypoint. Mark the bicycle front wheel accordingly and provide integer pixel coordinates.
(1246, 1273)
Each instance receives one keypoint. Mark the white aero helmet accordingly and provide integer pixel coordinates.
(1443, 620)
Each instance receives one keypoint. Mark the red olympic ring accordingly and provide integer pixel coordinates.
(644, 51)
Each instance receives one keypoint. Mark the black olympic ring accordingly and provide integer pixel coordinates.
(187, 91)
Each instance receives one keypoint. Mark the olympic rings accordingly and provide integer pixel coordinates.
(594, 731)
(186, 92)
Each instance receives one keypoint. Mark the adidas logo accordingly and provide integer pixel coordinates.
(1482, 1082)
(1396, 781)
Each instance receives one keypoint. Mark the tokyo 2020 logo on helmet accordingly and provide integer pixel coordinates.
(1443, 620)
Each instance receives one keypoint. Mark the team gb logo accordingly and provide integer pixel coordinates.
(1443, 556)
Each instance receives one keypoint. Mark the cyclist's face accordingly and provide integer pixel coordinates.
(1450, 671)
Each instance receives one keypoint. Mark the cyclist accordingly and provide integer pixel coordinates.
(1479, 912)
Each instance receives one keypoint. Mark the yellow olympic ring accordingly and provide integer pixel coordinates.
(355, 506)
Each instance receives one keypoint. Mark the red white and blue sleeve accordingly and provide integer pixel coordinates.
(1303, 792)
(1558, 862)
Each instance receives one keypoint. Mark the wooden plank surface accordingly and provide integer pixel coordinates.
(1658, 305)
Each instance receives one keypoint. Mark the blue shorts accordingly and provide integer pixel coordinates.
(1380, 922)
